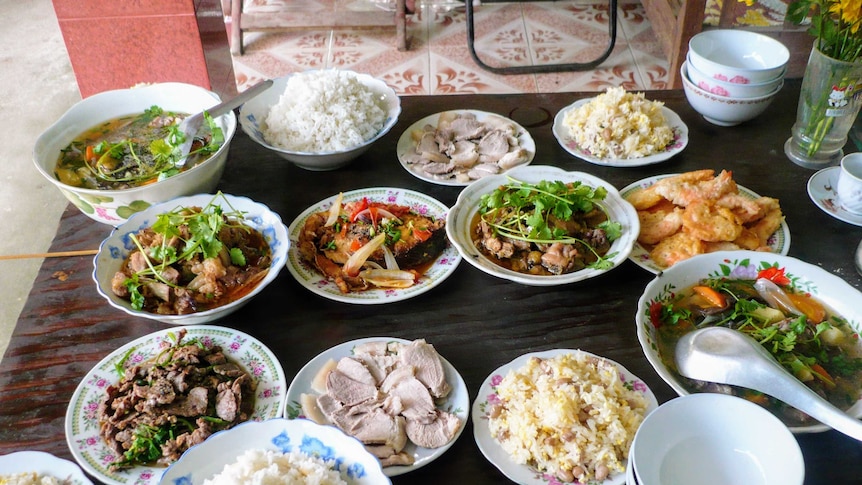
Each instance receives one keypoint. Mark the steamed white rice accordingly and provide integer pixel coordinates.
(323, 111)
(570, 416)
(30, 478)
(267, 467)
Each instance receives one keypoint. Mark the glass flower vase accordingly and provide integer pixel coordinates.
(828, 105)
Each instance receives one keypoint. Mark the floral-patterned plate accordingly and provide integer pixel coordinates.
(457, 402)
(821, 190)
(490, 447)
(315, 282)
(779, 242)
(82, 421)
(44, 464)
(835, 293)
(564, 137)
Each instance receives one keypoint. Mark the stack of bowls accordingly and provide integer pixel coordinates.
(731, 76)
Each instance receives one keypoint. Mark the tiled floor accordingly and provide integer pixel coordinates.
(439, 62)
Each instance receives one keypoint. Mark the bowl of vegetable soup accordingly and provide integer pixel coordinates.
(806, 317)
(117, 152)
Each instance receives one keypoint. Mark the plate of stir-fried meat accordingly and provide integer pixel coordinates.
(147, 402)
(371, 246)
(683, 215)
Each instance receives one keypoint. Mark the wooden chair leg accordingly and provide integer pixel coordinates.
(401, 24)
(236, 46)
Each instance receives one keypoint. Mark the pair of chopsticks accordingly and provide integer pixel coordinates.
(58, 254)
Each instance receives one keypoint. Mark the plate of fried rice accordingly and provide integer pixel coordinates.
(560, 416)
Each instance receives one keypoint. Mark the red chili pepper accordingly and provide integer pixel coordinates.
(776, 275)
(421, 235)
(655, 313)
(359, 208)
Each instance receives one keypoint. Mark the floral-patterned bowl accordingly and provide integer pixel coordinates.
(116, 248)
(82, 419)
(115, 206)
(835, 293)
(494, 452)
(356, 464)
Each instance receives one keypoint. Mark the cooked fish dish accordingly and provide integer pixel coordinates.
(364, 244)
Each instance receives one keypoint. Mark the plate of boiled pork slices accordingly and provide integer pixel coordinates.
(460, 146)
(404, 401)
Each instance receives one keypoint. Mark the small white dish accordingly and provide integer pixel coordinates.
(43, 464)
(457, 402)
(204, 461)
(680, 140)
(315, 282)
(82, 420)
(460, 221)
(821, 190)
(779, 242)
(495, 453)
(406, 143)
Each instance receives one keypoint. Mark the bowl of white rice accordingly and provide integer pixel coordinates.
(277, 452)
(321, 119)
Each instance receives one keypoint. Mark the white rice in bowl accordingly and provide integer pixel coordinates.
(31, 478)
(571, 416)
(323, 111)
(268, 467)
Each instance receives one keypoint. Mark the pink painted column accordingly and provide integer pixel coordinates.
(115, 44)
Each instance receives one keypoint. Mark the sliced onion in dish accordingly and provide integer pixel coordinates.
(376, 213)
(335, 210)
(389, 258)
(357, 260)
(388, 278)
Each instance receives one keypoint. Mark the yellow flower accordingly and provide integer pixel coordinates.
(851, 12)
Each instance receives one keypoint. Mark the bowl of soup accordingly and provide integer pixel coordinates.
(116, 153)
(806, 317)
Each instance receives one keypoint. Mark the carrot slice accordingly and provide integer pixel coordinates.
(823, 375)
(808, 306)
(713, 297)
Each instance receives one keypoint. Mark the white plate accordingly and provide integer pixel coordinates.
(43, 464)
(779, 242)
(459, 223)
(490, 447)
(457, 402)
(82, 422)
(317, 283)
(680, 140)
(821, 190)
(406, 143)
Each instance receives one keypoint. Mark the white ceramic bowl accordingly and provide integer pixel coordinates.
(117, 246)
(65, 471)
(205, 460)
(115, 206)
(715, 439)
(723, 110)
(732, 89)
(738, 55)
(834, 292)
(460, 217)
(253, 113)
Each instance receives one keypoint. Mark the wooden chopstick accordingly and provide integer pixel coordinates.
(58, 254)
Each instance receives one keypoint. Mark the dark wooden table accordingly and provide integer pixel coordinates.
(476, 321)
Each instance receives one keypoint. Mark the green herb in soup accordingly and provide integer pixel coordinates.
(817, 346)
(136, 150)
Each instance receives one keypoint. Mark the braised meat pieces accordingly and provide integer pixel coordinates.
(385, 395)
(175, 400)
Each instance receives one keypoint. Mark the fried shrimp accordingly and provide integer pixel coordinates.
(697, 212)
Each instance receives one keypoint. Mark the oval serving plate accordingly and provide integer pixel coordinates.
(457, 402)
(680, 140)
(315, 282)
(82, 422)
(490, 447)
(779, 242)
(406, 143)
(460, 220)
(43, 463)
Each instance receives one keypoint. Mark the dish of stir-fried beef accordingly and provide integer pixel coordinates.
(174, 400)
(191, 260)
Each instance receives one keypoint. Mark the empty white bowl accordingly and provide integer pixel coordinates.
(738, 55)
(715, 439)
(253, 113)
(723, 110)
(732, 89)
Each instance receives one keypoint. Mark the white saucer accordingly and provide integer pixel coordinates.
(821, 189)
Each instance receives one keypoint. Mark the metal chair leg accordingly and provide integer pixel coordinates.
(543, 68)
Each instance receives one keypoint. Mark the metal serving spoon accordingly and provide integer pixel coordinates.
(726, 356)
(192, 124)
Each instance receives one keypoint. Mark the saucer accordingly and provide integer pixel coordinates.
(821, 189)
